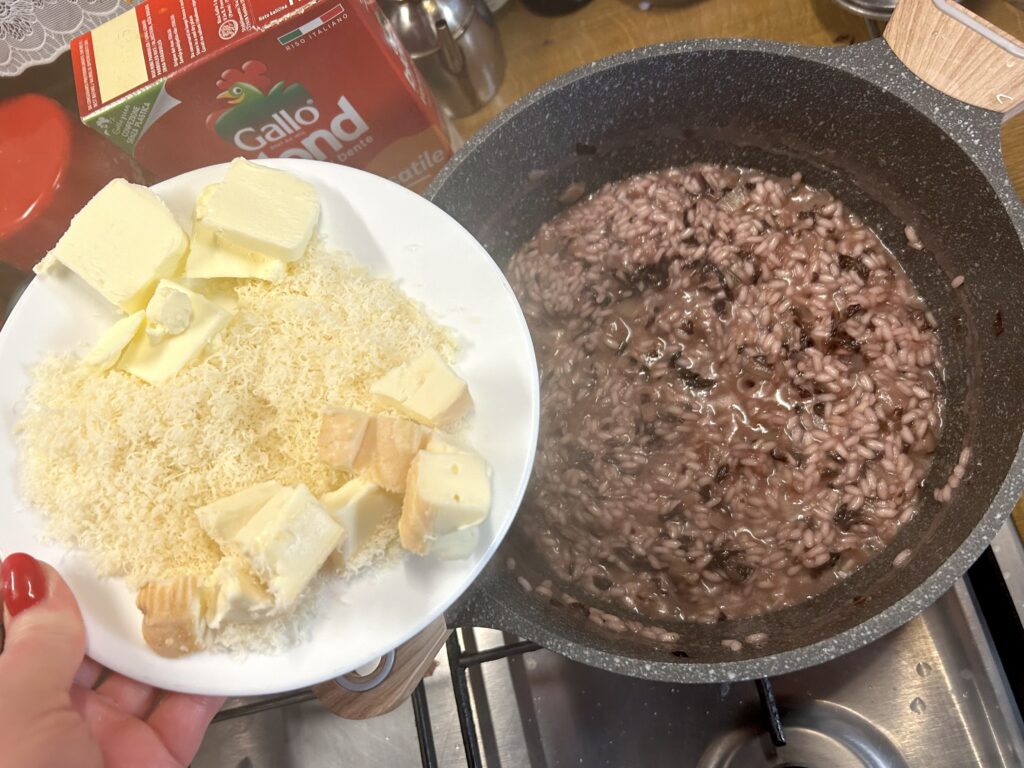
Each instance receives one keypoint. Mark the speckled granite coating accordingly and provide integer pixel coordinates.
(854, 120)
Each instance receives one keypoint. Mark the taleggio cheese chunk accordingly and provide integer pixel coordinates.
(111, 344)
(234, 593)
(457, 545)
(362, 509)
(173, 622)
(341, 436)
(446, 492)
(121, 243)
(287, 541)
(252, 224)
(224, 518)
(425, 389)
(387, 450)
(156, 363)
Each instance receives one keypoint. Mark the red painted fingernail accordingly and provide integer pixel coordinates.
(24, 582)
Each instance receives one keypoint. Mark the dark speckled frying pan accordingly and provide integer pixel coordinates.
(897, 147)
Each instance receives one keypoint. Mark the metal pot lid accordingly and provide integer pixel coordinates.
(414, 21)
(879, 10)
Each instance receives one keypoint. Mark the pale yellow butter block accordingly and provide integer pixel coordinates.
(224, 518)
(233, 593)
(362, 508)
(342, 431)
(252, 224)
(387, 450)
(425, 389)
(107, 351)
(169, 312)
(287, 542)
(156, 363)
(445, 492)
(121, 243)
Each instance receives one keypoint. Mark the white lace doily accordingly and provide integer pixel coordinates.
(38, 31)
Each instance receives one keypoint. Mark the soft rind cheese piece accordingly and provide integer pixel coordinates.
(440, 442)
(169, 312)
(121, 243)
(252, 224)
(362, 508)
(287, 541)
(233, 593)
(387, 450)
(156, 363)
(224, 518)
(446, 492)
(341, 436)
(425, 389)
(173, 622)
(457, 545)
(107, 351)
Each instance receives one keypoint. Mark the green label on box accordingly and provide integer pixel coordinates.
(124, 121)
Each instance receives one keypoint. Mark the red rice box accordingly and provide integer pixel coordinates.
(186, 83)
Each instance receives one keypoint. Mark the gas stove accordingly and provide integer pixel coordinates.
(935, 693)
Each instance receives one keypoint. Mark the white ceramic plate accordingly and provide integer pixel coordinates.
(394, 232)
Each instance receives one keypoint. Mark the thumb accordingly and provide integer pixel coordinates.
(45, 637)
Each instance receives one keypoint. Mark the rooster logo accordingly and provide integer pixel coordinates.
(252, 100)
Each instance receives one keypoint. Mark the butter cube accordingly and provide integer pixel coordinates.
(169, 312)
(287, 541)
(252, 224)
(342, 431)
(158, 362)
(173, 621)
(121, 243)
(224, 518)
(111, 344)
(425, 389)
(362, 509)
(233, 593)
(446, 492)
(387, 450)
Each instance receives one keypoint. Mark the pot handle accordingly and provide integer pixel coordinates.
(360, 697)
(959, 53)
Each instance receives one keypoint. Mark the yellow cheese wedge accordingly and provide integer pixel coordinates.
(425, 389)
(387, 450)
(252, 224)
(287, 541)
(341, 436)
(224, 518)
(156, 363)
(121, 243)
(362, 509)
(440, 442)
(233, 593)
(445, 492)
(111, 344)
(172, 616)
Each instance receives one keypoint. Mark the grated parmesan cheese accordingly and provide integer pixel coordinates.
(118, 466)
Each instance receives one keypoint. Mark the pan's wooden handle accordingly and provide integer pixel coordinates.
(358, 697)
(959, 53)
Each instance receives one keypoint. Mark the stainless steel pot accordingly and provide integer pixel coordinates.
(857, 121)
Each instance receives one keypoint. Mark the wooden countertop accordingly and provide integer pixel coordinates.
(538, 49)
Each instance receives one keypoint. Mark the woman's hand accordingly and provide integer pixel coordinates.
(61, 710)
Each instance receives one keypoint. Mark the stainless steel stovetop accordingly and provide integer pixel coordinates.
(932, 694)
